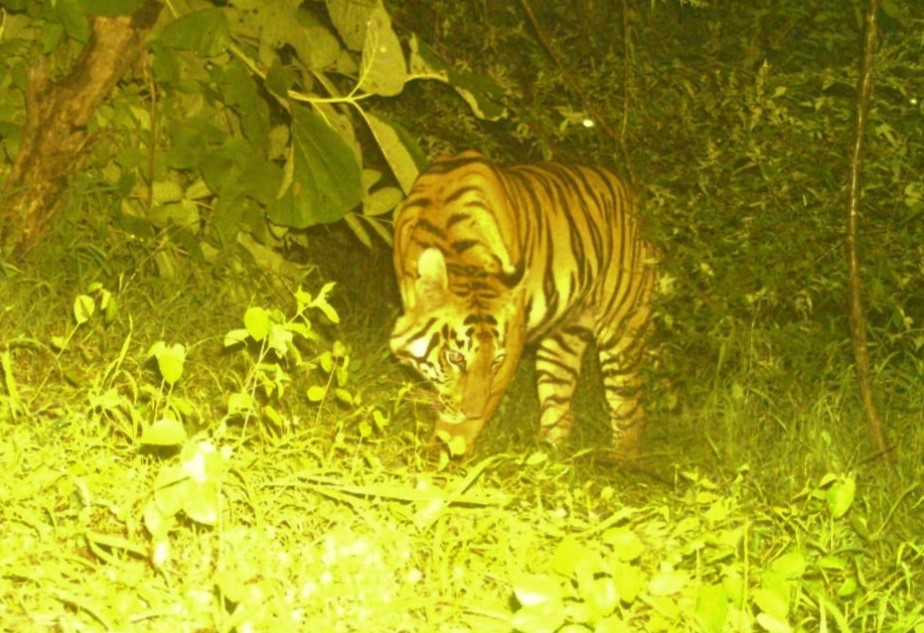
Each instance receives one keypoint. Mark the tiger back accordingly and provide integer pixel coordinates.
(491, 258)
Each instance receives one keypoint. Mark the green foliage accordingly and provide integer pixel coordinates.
(170, 514)
(717, 564)
(84, 309)
(247, 112)
(274, 346)
(191, 486)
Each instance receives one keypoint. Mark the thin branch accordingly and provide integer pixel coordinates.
(858, 322)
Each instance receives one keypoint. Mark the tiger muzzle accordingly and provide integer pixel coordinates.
(473, 408)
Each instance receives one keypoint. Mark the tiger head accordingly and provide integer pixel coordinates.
(463, 331)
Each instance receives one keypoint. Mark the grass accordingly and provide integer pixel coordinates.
(755, 507)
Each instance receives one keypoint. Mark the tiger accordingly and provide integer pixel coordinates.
(489, 259)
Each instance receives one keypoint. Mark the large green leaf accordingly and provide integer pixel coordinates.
(712, 608)
(403, 154)
(226, 218)
(240, 92)
(204, 32)
(237, 169)
(324, 177)
(194, 140)
(73, 17)
(384, 69)
(350, 19)
(165, 64)
(481, 93)
(365, 25)
(283, 23)
(315, 44)
(278, 80)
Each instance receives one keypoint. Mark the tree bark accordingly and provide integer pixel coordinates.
(858, 323)
(55, 134)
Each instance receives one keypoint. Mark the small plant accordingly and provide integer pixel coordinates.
(190, 486)
(275, 347)
(85, 307)
(106, 400)
(170, 362)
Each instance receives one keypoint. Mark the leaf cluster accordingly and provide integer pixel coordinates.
(719, 564)
(246, 121)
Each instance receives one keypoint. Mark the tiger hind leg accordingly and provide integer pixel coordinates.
(620, 358)
(558, 364)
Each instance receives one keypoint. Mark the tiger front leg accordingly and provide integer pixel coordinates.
(558, 365)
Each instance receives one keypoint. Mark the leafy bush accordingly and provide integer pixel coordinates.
(242, 113)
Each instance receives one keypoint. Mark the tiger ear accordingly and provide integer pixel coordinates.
(432, 279)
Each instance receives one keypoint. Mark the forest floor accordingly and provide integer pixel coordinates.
(164, 472)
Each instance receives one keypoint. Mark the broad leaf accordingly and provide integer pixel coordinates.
(384, 69)
(283, 24)
(170, 360)
(240, 92)
(534, 589)
(840, 496)
(350, 19)
(625, 543)
(315, 44)
(84, 308)
(204, 32)
(381, 201)
(712, 608)
(400, 150)
(482, 95)
(323, 175)
(257, 321)
(164, 432)
(238, 170)
(668, 582)
(790, 566)
(73, 17)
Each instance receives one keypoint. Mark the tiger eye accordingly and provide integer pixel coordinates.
(454, 358)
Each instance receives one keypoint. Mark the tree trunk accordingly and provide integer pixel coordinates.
(55, 135)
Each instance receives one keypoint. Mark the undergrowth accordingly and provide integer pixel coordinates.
(238, 480)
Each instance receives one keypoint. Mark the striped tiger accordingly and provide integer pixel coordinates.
(491, 258)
